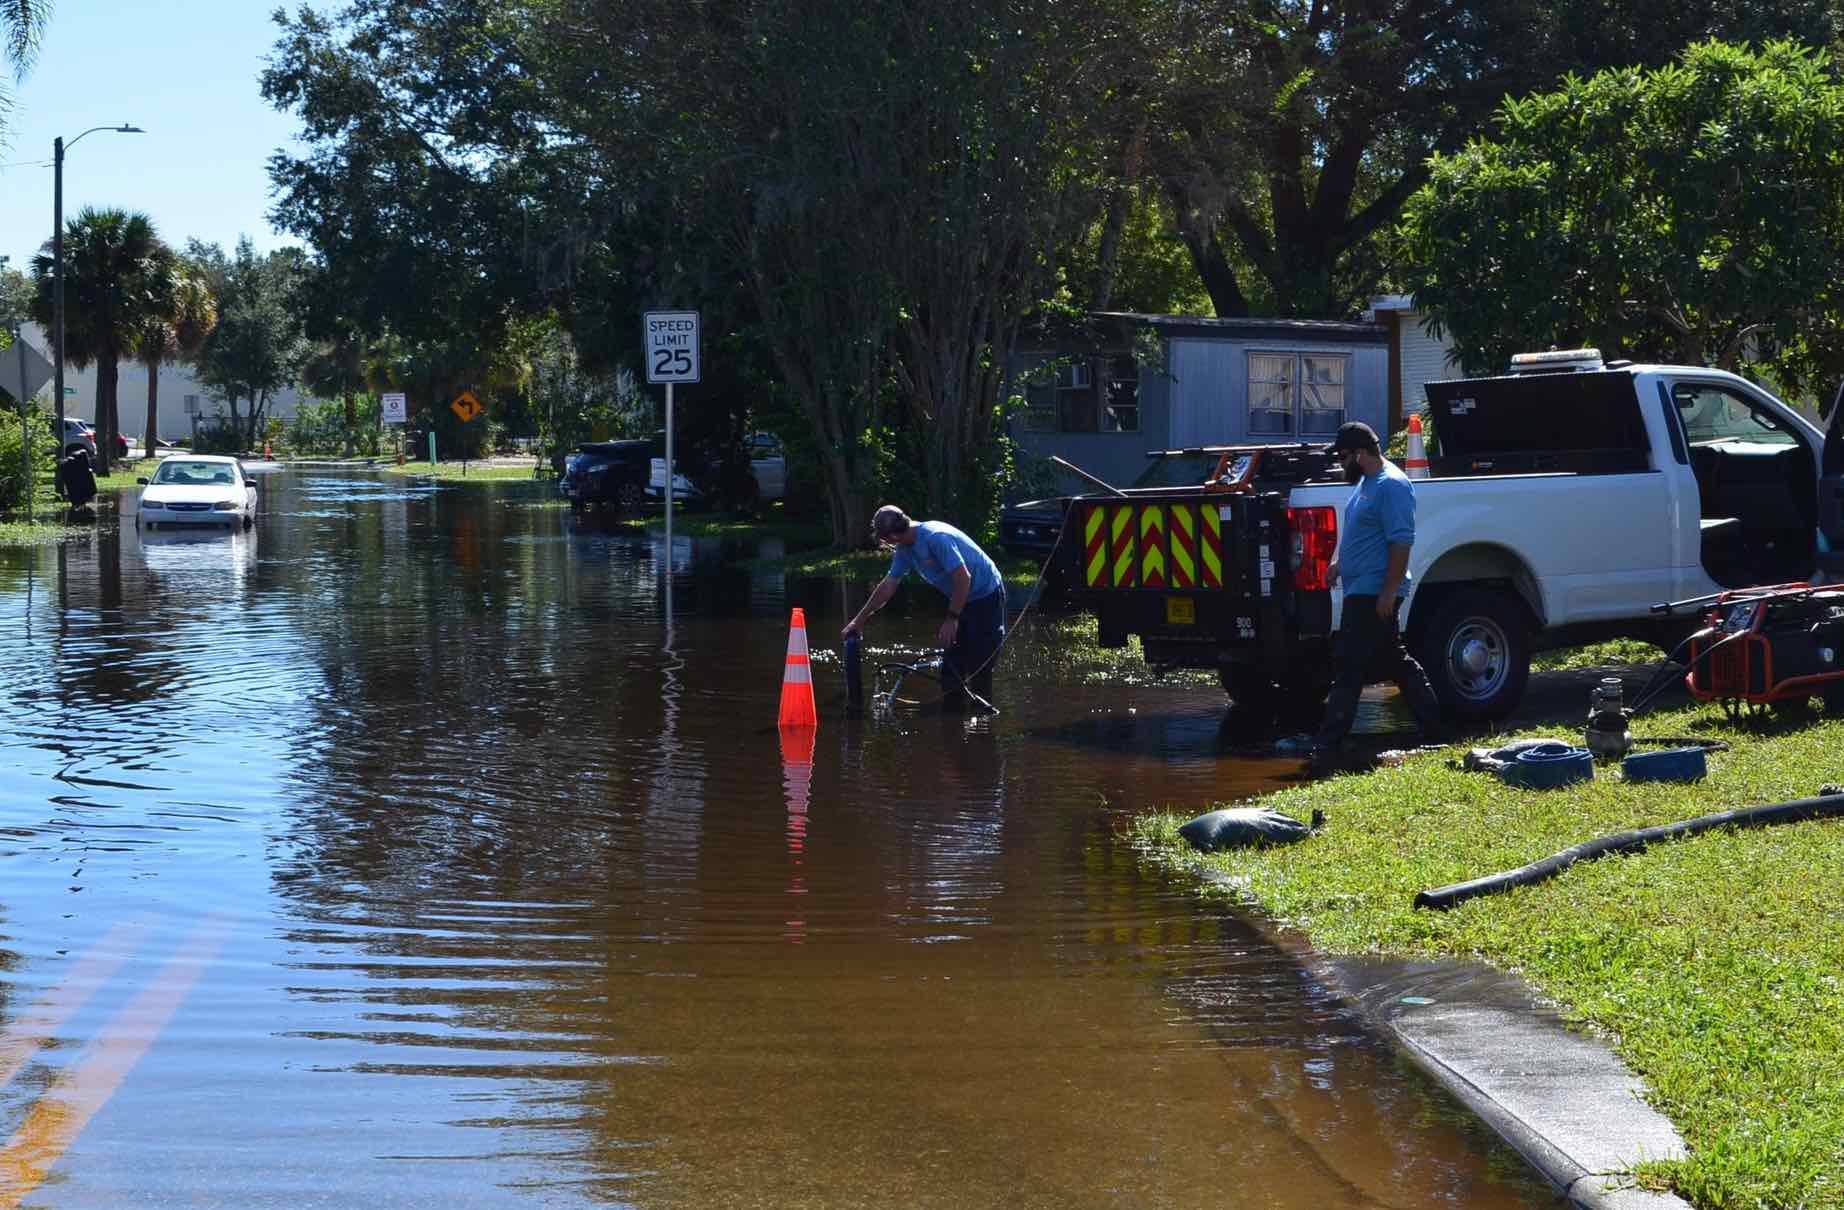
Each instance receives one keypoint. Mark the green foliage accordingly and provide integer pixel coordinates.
(258, 345)
(320, 427)
(13, 467)
(1675, 214)
(1291, 134)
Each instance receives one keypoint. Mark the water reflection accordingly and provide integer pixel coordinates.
(525, 899)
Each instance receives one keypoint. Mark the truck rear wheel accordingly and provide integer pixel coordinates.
(1475, 649)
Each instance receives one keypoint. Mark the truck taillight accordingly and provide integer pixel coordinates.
(1315, 541)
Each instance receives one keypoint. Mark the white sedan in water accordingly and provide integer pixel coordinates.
(198, 489)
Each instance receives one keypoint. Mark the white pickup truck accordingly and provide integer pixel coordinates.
(1565, 500)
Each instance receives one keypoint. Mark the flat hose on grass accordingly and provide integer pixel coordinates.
(1797, 811)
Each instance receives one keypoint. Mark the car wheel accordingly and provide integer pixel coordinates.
(1475, 649)
(577, 507)
(630, 497)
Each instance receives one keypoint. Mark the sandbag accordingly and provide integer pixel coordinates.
(1245, 827)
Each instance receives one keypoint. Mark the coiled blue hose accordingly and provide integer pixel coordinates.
(1546, 766)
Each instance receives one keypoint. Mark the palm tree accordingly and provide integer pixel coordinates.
(22, 24)
(184, 315)
(112, 276)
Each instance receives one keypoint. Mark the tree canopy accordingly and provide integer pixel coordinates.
(1685, 213)
(1288, 133)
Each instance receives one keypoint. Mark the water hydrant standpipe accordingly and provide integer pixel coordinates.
(1607, 734)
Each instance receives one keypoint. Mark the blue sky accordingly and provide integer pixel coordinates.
(187, 76)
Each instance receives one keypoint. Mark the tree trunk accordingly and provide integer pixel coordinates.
(150, 436)
(108, 376)
(1107, 260)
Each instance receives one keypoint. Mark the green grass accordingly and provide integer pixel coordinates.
(1597, 655)
(40, 533)
(722, 525)
(453, 470)
(1714, 965)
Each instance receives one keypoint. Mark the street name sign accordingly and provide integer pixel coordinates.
(671, 345)
(396, 408)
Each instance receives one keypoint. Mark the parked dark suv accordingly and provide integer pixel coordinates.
(606, 474)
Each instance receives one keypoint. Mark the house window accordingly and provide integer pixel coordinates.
(192, 405)
(1084, 395)
(1296, 393)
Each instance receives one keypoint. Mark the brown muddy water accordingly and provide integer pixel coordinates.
(397, 853)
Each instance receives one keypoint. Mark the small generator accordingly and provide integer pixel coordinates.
(1762, 646)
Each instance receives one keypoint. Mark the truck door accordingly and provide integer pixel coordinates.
(1831, 495)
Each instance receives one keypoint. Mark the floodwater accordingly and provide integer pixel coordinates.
(396, 852)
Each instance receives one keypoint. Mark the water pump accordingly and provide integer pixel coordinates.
(1607, 734)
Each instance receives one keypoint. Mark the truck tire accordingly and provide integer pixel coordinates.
(1475, 649)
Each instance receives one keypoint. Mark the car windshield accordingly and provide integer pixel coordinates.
(179, 473)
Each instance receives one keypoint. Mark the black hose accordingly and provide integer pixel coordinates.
(1797, 811)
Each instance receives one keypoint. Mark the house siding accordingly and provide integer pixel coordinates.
(1211, 385)
(1424, 360)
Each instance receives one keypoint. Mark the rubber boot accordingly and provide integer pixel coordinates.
(1427, 708)
(1340, 713)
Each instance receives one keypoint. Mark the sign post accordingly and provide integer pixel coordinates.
(394, 409)
(671, 347)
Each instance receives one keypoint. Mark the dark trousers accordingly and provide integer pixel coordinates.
(1370, 649)
(968, 663)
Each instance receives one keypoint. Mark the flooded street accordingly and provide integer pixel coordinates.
(395, 852)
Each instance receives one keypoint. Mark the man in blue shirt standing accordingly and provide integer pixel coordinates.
(1373, 562)
(954, 563)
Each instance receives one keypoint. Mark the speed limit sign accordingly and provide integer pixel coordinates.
(672, 346)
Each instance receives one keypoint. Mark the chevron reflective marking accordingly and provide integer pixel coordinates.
(1182, 534)
(1210, 546)
(1120, 524)
(1095, 548)
(1152, 546)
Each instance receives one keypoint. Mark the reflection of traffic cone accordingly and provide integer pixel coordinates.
(797, 782)
(1415, 462)
(797, 680)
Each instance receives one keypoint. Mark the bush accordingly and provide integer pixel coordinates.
(219, 436)
(320, 427)
(13, 473)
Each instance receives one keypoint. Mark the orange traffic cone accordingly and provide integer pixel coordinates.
(1415, 462)
(797, 680)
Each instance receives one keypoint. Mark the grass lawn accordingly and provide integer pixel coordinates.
(771, 524)
(1714, 965)
(453, 470)
(40, 533)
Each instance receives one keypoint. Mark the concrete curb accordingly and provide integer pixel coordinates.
(1560, 1097)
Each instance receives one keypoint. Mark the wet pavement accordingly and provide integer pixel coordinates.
(397, 851)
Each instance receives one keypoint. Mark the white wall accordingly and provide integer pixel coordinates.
(1424, 360)
(176, 382)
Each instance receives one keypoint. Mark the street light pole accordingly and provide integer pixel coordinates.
(57, 264)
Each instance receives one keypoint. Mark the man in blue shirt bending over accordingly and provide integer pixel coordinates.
(954, 563)
(1373, 562)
